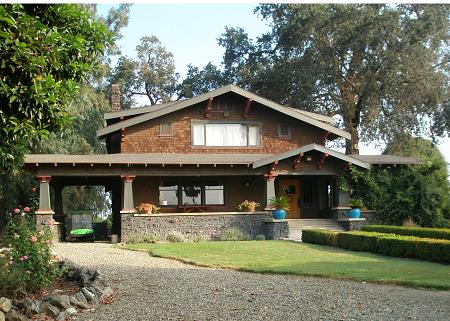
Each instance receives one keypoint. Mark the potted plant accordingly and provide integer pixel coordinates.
(147, 208)
(281, 205)
(248, 206)
(356, 204)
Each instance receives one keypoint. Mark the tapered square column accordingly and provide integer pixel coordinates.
(128, 202)
(270, 189)
(44, 215)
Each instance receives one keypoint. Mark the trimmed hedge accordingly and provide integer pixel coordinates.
(426, 232)
(386, 244)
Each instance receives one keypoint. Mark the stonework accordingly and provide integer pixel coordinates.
(352, 224)
(205, 225)
(277, 229)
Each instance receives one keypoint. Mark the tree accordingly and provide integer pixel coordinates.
(381, 68)
(152, 74)
(199, 81)
(46, 50)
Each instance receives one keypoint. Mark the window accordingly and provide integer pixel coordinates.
(214, 194)
(165, 129)
(168, 194)
(191, 193)
(226, 134)
(284, 131)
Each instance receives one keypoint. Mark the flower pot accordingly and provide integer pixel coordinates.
(251, 208)
(354, 213)
(279, 214)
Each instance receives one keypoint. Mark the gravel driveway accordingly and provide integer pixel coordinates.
(152, 288)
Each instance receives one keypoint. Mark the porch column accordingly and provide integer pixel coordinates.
(128, 203)
(44, 215)
(270, 190)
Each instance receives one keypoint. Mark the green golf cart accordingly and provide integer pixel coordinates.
(79, 225)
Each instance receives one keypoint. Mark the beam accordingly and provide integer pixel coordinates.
(247, 107)
(208, 107)
(323, 158)
(297, 161)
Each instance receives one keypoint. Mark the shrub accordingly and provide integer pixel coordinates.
(232, 234)
(387, 244)
(433, 233)
(150, 238)
(29, 259)
(260, 237)
(198, 238)
(175, 237)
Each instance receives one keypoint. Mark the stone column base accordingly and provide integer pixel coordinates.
(44, 219)
(352, 224)
(277, 229)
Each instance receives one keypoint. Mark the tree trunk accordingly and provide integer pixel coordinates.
(351, 146)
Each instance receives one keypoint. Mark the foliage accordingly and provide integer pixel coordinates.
(152, 74)
(147, 208)
(283, 257)
(248, 206)
(46, 51)
(383, 69)
(232, 234)
(386, 244)
(175, 237)
(419, 192)
(29, 257)
(355, 203)
(433, 233)
(198, 81)
(260, 237)
(280, 203)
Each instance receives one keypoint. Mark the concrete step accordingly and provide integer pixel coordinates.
(296, 226)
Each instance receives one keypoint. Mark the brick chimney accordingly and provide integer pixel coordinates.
(115, 98)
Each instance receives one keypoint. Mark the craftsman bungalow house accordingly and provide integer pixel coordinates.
(206, 155)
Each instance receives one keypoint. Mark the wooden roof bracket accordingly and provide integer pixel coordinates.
(325, 136)
(297, 161)
(208, 107)
(122, 135)
(323, 158)
(247, 107)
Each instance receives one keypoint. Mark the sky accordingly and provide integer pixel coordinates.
(190, 32)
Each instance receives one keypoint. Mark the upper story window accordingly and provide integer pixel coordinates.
(216, 134)
(165, 129)
(284, 131)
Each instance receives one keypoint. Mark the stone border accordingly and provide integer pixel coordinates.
(352, 224)
(93, 291)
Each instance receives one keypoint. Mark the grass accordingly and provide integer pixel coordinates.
(284, 257)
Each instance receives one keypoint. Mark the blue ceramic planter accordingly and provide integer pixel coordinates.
(354, 213)
(279, 214)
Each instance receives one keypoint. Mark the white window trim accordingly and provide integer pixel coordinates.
(259, 124)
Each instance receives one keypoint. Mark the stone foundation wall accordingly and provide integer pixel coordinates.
(206, 225)
(352, 224)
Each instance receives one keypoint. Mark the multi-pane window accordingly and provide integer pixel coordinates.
(168, 194)
(226, 134)
(191, 193)
(165, 129)
(284, 131)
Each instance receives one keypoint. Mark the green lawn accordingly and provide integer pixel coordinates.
(305, 259)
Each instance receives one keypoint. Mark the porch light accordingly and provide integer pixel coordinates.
(308, 158)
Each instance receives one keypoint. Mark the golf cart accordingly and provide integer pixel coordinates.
(79, 225)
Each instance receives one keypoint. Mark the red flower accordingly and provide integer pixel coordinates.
(16, 210)
(33, 189)
(26, 209)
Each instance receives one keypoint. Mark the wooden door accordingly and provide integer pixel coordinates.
(290, 188)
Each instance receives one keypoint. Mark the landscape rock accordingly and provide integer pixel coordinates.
(2, 316)
(78, 304)
(13, 315)
(107, 293)
(49, 309)
(31, 307)
(88, 294)
(80, 297)
(60, 301)
(98, 285)
(5, 304)
(66, 314)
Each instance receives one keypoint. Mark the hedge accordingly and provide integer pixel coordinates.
(426, 232)
(388, 244)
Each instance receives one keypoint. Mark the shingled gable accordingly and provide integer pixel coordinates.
(308, 148)
(307, 118)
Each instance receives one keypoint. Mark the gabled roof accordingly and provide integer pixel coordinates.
(217, 92)
(388, 159)
(308, 148)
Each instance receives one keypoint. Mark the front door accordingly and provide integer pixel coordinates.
(290, 188)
